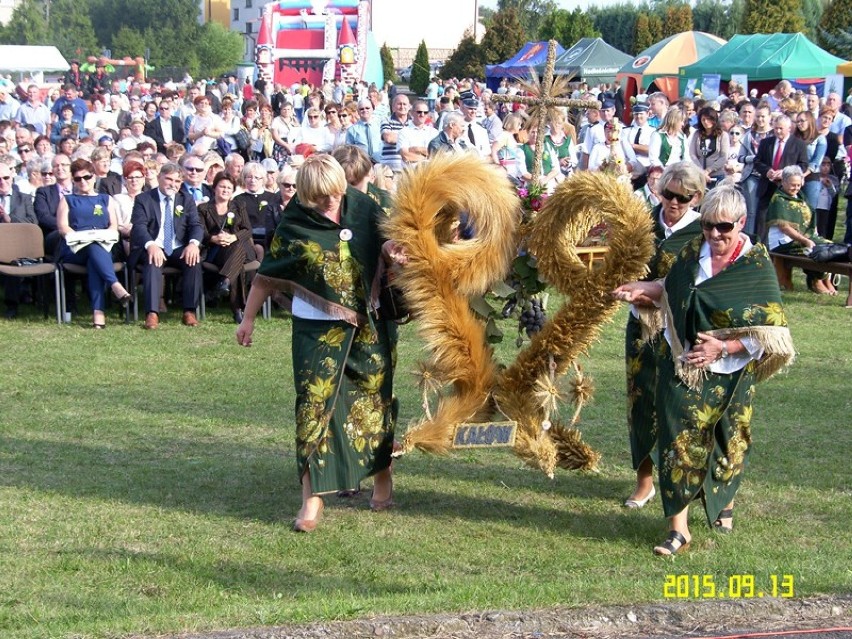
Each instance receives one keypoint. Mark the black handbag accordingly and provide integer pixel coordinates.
(242, 139)
(830, 253)
(392, 306)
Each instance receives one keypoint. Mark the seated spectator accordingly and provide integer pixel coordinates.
(105, 180)
(228, 240)
(791, 225)
(166, 231)
(254, 199)
(86, 210)
(280, 200)
(134, 182)
(15, 207)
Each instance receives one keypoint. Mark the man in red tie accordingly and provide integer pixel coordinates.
(773, 154)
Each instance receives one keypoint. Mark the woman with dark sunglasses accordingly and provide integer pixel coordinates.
(86, 210)
(680, 188)
(725, 330)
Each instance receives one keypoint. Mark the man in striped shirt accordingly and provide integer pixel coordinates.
(391, 127)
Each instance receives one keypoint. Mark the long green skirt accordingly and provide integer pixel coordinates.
(640, 360)
(704, 436)
(345, 412)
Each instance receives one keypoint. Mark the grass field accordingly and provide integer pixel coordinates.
(148, 484)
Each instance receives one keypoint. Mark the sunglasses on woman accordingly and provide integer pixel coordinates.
(722, 227)
(677, 197)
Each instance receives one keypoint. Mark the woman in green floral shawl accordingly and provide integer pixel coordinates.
(327, 256)
(725, 330)
(681, 187)
(791, 224)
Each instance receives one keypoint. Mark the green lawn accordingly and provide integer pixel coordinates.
(147, 484)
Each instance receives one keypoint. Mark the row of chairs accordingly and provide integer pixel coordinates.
(22, 255)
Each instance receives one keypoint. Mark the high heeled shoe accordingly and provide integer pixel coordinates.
(639, 503)
(123, 298)
(308, 525)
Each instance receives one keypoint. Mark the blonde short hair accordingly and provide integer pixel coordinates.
(725, 203)
(319, 176)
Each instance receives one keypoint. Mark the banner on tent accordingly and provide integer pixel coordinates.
(710, 85)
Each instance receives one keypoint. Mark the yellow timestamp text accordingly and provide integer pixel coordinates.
(744, 586)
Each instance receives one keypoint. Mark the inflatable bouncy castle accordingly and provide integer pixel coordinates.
(318, 40)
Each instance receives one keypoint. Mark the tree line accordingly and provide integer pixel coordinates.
(633, 27)
(167, 29)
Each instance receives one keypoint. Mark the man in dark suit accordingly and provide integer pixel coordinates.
(167, 232)
(774, 154)
(194, 172)
(15, 207)
(165, 128)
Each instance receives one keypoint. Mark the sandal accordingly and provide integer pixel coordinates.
(668, 547)
(727, 513)
(97, 326)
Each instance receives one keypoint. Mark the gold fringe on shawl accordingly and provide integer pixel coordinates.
(578, 204)
(442, 274)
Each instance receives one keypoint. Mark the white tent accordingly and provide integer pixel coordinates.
(26, 59)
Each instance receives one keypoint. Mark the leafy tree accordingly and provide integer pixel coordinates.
(836, 19)
(773, 16)
(617, 23)
(26, 25)
(218, 49)
(128, 42)
(642, 38)
(465, 61)
(420, 70)
(531, 15)
(567, 28)
(718, 17)
(504, 39)
(655, 27)
(388, 70)
(71, 29)
(678, 18)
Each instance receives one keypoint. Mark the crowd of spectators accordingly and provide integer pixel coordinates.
(254, 138)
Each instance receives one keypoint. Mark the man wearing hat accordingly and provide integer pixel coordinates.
(634, 144)
(98, 83)
(477, 136)
(596, 134)
(73, 75)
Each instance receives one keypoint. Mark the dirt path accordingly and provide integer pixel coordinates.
(623, 622)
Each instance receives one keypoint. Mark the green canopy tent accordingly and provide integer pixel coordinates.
(765, 59)
(590, 59)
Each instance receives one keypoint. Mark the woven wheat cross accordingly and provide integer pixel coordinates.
(544, 96)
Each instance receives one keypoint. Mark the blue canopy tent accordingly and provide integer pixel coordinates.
(518, 66)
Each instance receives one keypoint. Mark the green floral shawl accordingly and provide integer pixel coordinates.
(667, 251)
(311, 256)
(742, 300)
(793, 210)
